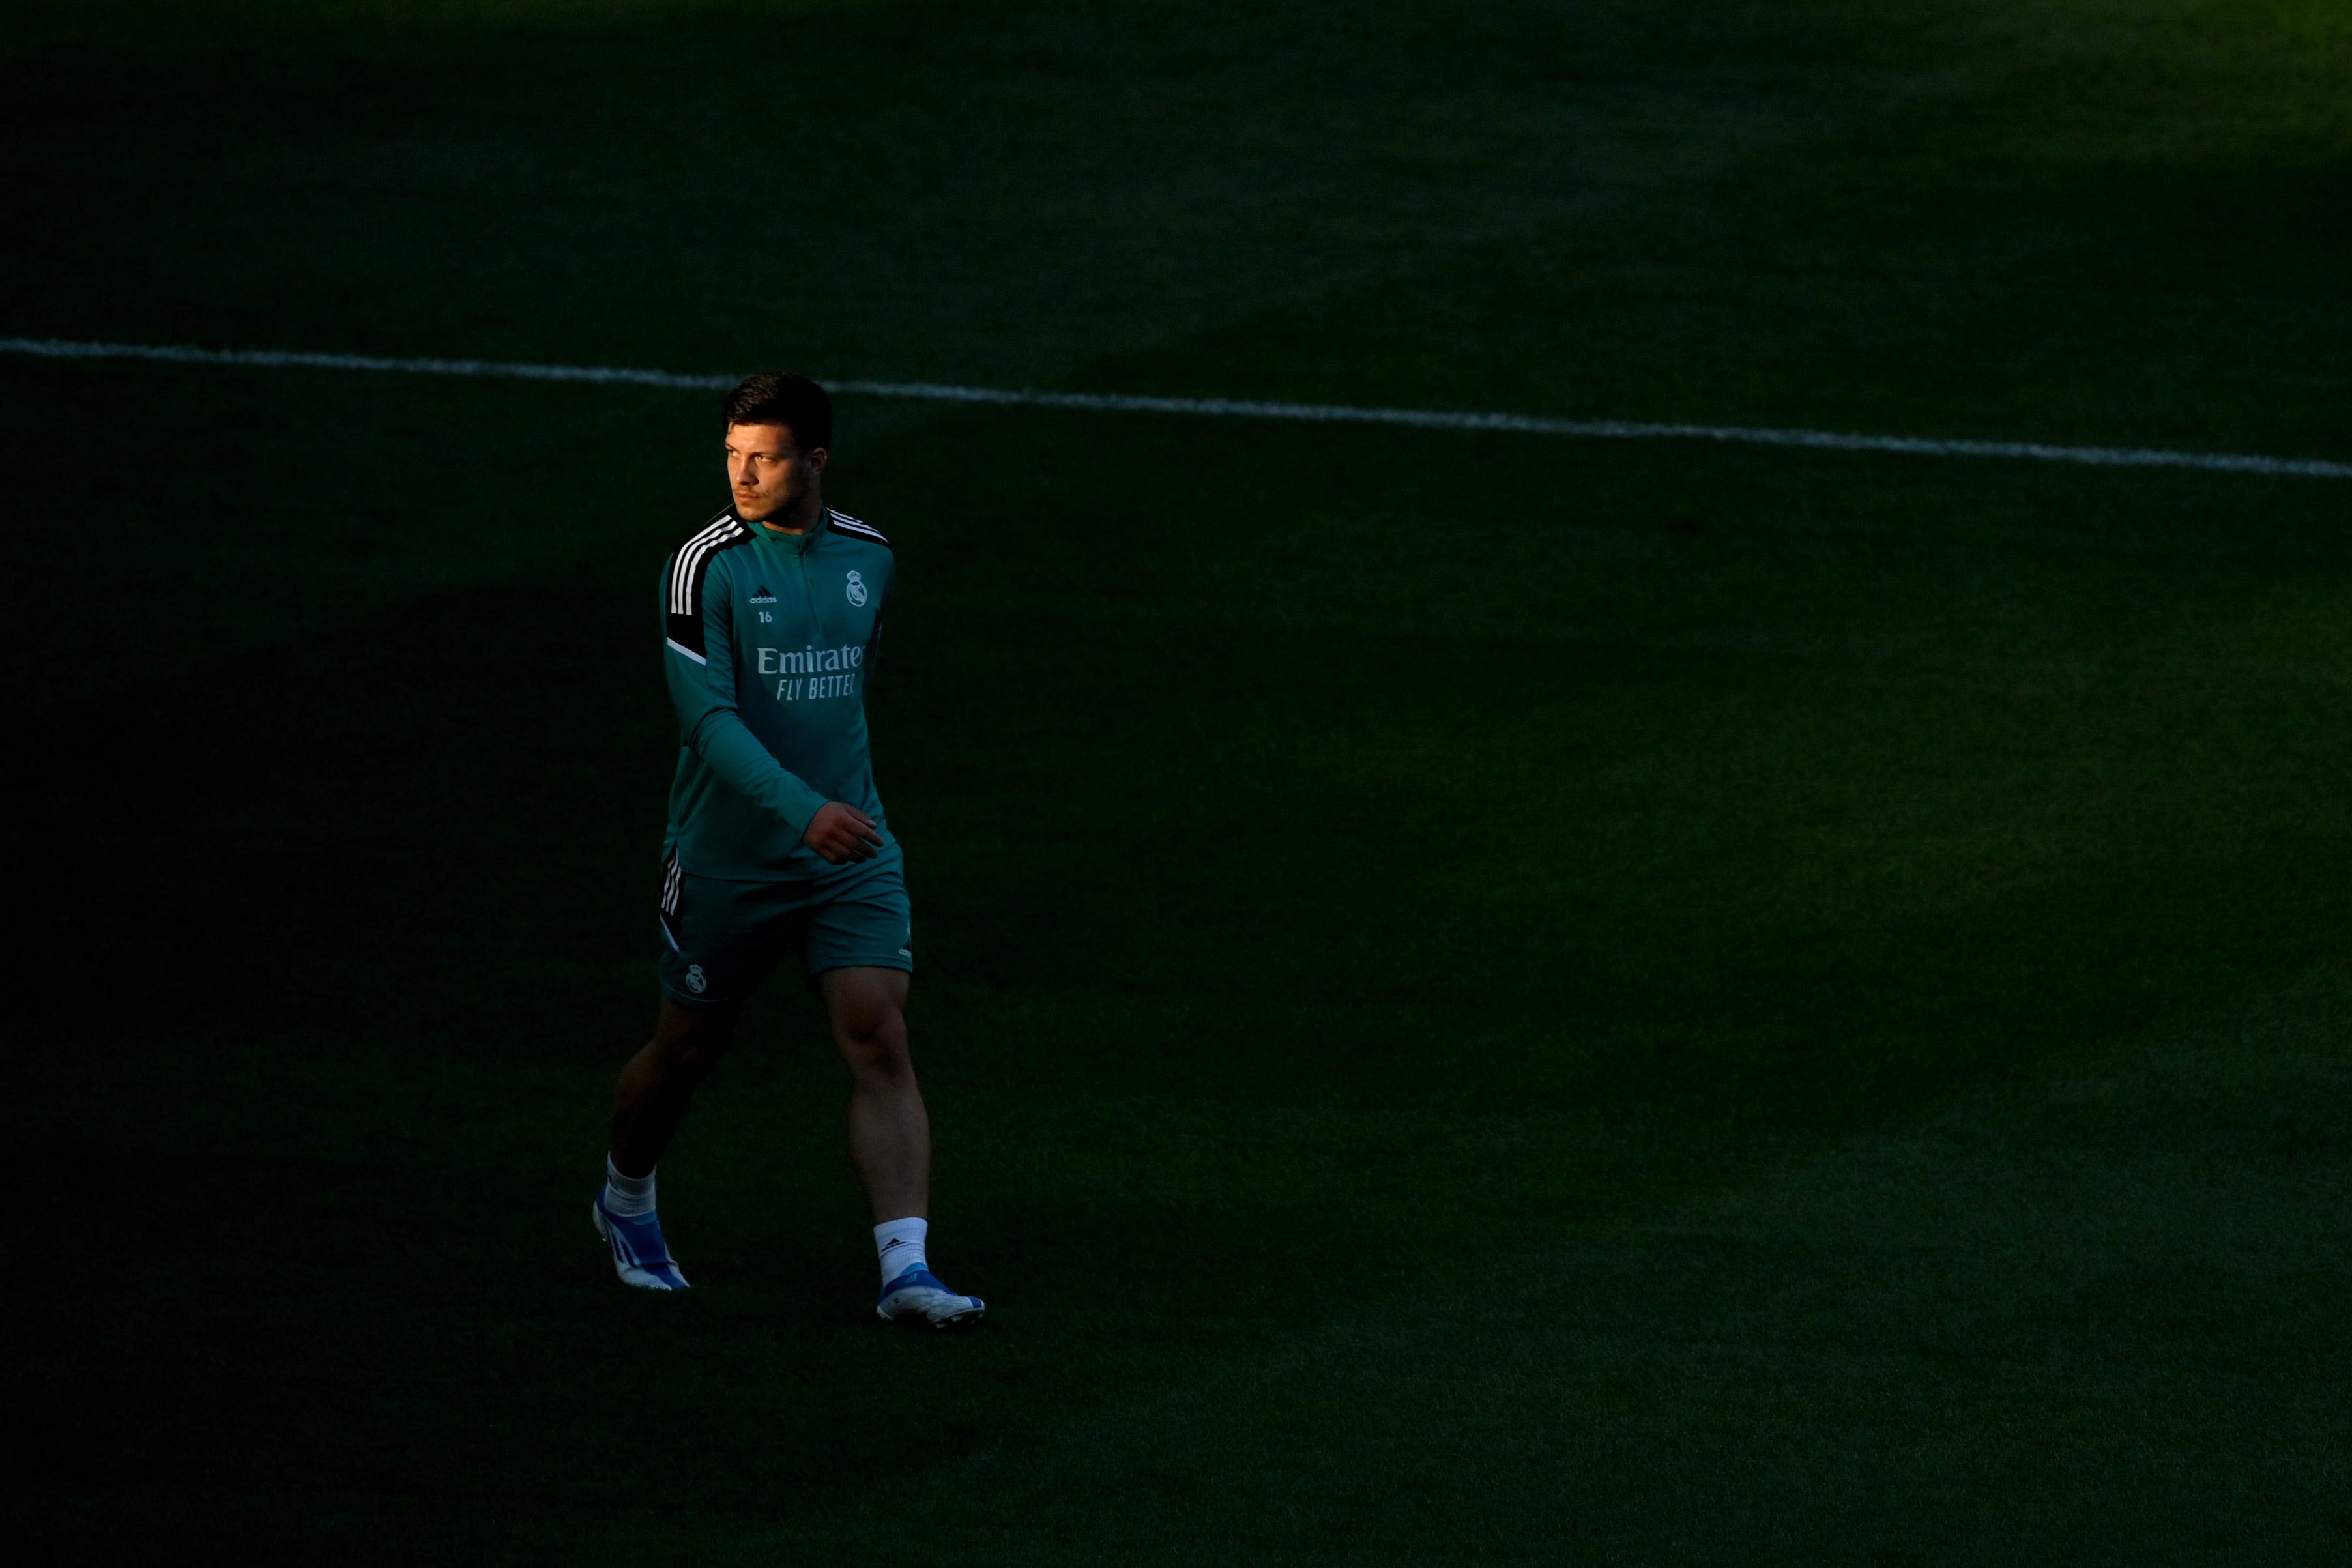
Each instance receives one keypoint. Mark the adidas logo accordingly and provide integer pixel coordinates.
(763, 596)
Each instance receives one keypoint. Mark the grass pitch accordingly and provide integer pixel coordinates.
(1486, 999)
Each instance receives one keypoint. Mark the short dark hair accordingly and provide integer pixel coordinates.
(783, 397)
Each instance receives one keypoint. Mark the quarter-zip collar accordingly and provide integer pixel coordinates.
(796, 543)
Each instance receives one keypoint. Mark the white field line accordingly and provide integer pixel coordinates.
(1226, 408)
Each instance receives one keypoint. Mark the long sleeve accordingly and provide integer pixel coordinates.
(702, 687)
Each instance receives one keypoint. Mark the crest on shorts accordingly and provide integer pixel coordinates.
(694, 980)
(856, 589)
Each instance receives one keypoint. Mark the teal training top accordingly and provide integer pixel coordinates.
(770, 640)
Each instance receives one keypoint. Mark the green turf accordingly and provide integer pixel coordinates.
(1611, 1002)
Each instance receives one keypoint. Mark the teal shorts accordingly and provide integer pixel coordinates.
(720, 939)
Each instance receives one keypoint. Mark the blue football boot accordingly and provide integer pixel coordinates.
(640, 1256)
(918, 1297)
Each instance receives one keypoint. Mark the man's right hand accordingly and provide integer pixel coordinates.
(842, 833)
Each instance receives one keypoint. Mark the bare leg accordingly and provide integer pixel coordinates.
(890, 1131)
(660, 1079)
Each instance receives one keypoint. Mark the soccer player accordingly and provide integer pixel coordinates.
(772, 611)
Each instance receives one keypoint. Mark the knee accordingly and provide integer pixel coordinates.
(695, 1049)
(695, 1057)
(875, 1045)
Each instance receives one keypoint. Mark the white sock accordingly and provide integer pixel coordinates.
(899, 1243)
(631, 1197)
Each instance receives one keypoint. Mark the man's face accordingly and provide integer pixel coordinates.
(768, 471)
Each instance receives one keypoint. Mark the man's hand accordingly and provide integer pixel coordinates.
(843, 833)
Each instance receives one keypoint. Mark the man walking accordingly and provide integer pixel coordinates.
(771, 612)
